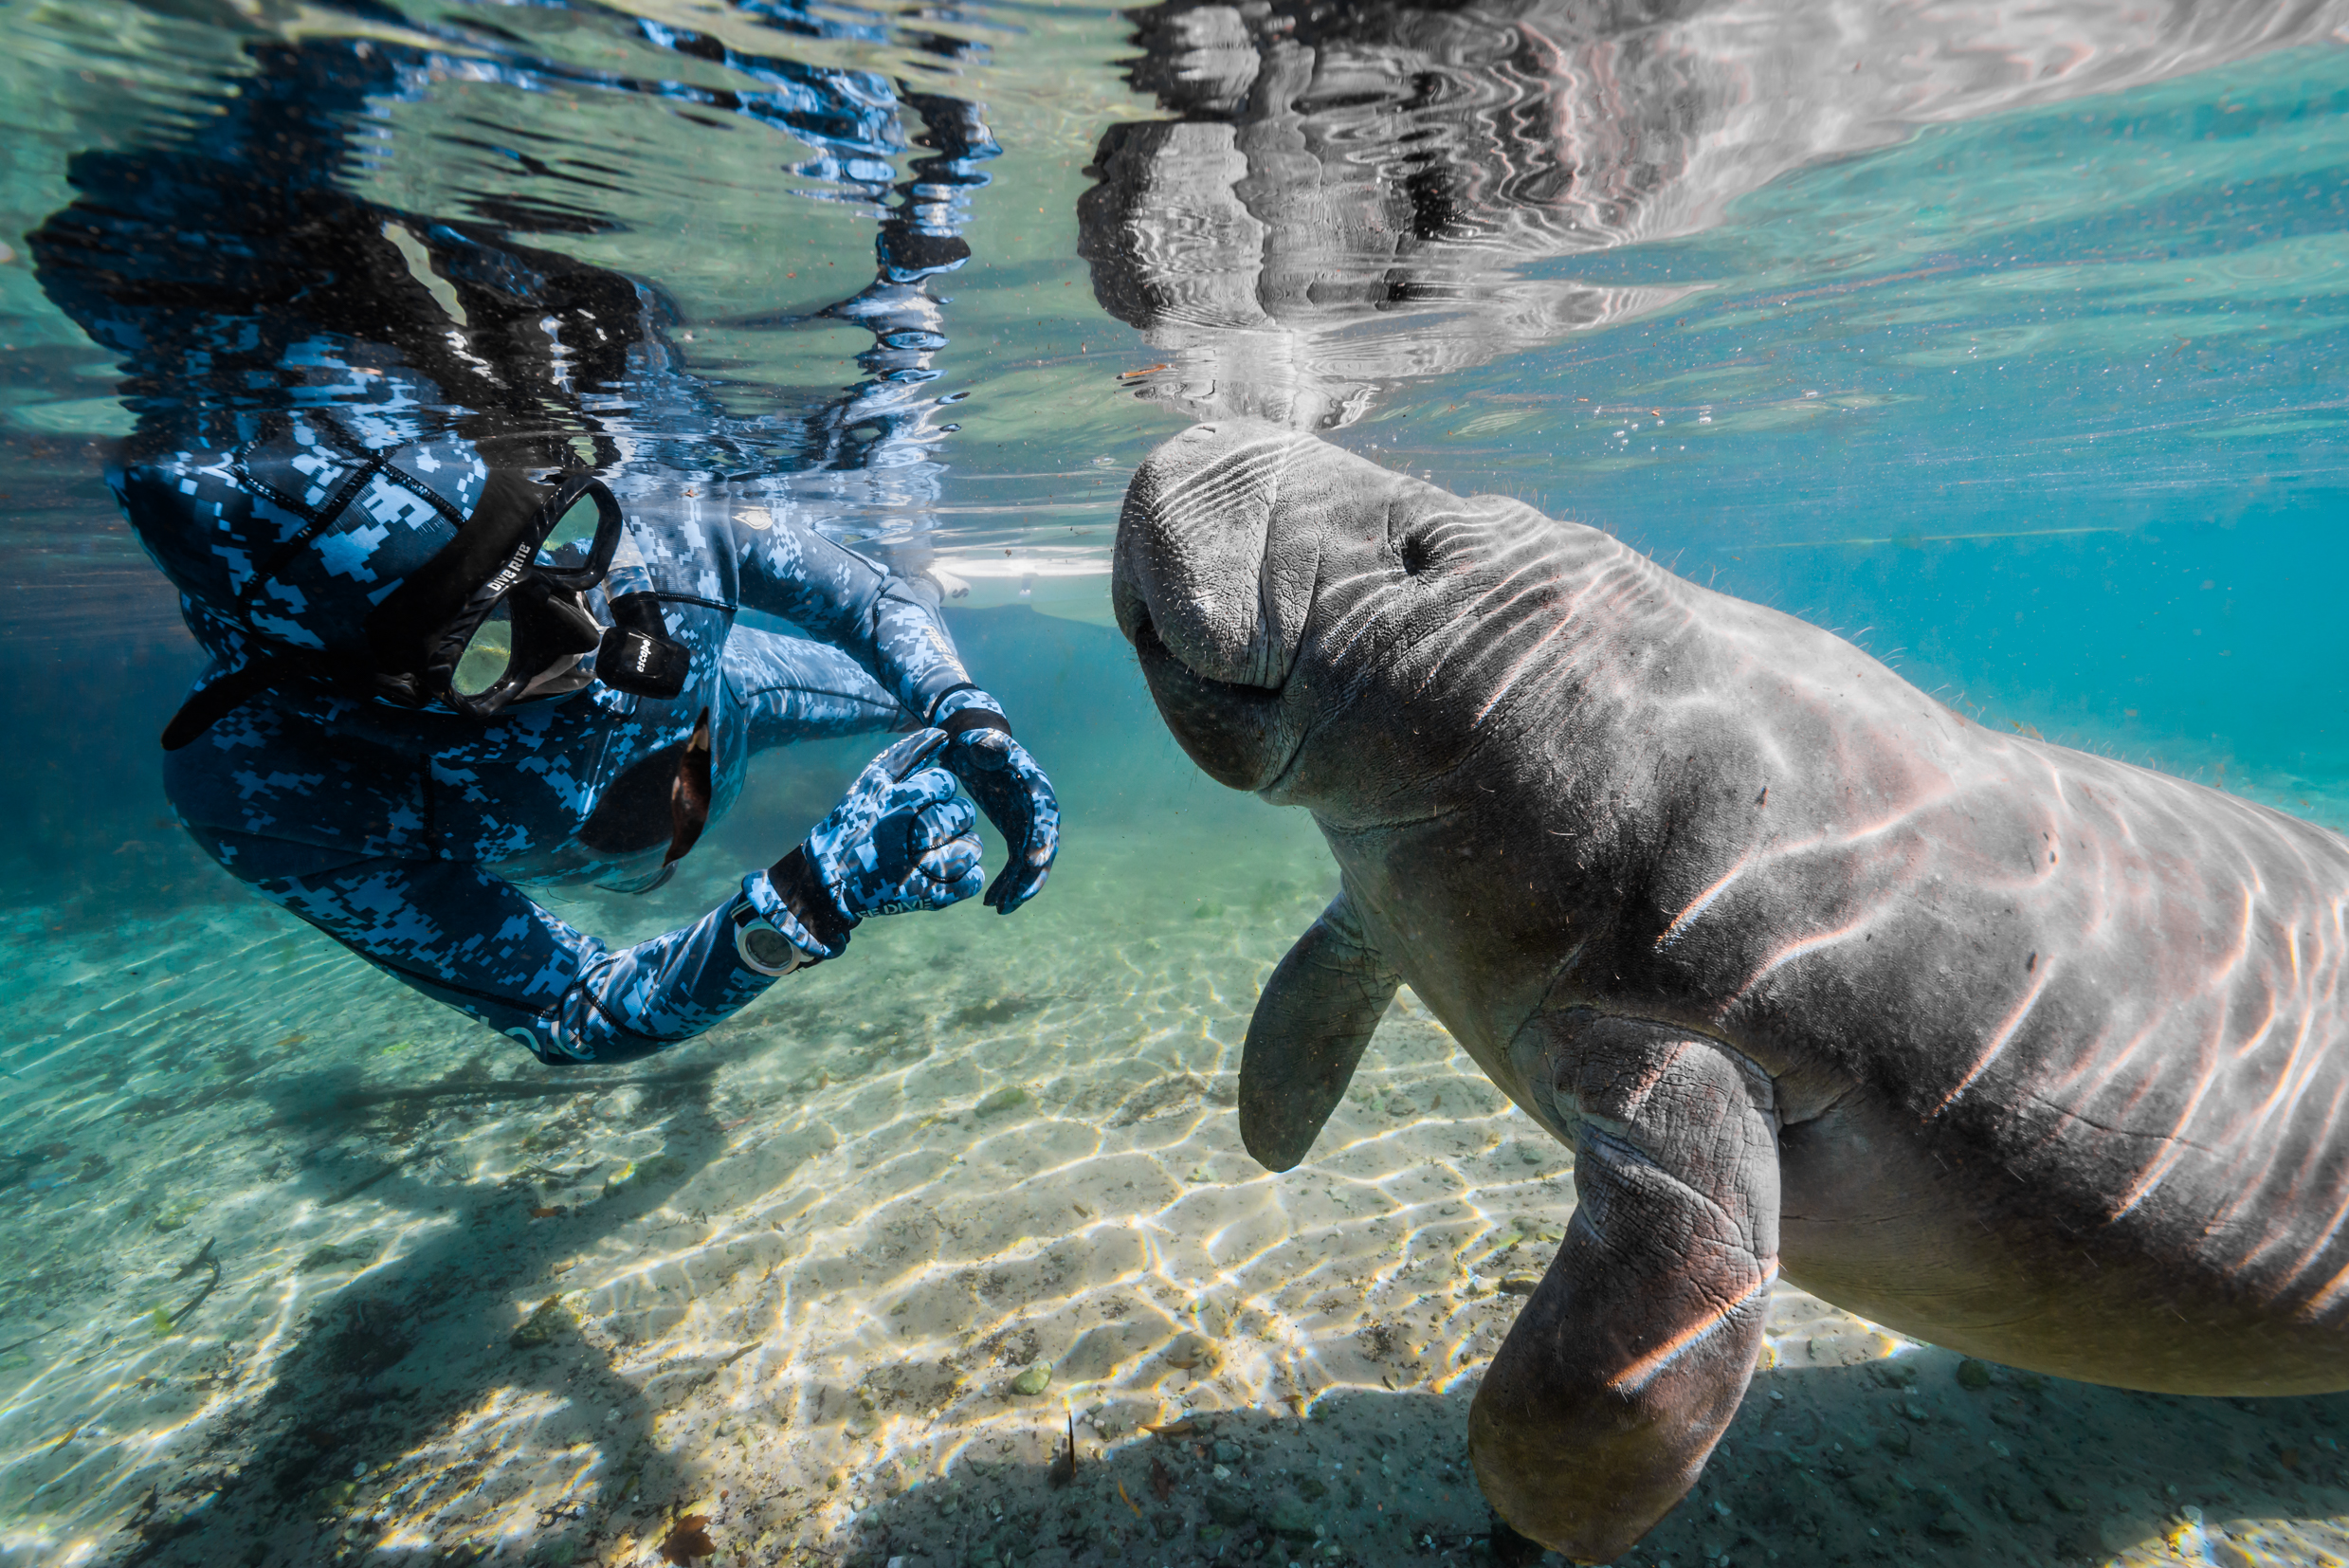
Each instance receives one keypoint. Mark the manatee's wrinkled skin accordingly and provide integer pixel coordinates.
(2023, 1051)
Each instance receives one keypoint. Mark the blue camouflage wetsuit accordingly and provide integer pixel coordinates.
(324, 389)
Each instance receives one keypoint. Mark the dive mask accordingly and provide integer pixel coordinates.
(501, 612)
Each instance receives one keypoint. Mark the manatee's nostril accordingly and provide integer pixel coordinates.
(1417, 555)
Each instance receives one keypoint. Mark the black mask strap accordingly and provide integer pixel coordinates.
(400, 628)
(418, 631)
(496, 540)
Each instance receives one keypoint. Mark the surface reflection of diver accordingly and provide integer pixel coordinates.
(459, 644)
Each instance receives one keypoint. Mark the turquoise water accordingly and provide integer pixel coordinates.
(2010, 345)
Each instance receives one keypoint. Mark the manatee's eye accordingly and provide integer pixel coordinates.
(1417, 554)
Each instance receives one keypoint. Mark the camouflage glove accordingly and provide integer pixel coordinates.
(899, 840)
(1010, 787)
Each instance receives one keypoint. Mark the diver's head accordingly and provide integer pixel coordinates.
(431, 573)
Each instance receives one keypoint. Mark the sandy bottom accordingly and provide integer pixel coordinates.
(299, 1269)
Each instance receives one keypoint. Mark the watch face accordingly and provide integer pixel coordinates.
(766, 949)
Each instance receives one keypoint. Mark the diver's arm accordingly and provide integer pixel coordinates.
(890, 625)
(464, 937)
(899, 840)
(887, 623)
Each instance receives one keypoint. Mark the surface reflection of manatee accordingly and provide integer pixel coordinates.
(1349, 198)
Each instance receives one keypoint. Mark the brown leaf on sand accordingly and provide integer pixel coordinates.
(549, 1210)
(689, 1537)
(1161, 1481)
(1172, 1429)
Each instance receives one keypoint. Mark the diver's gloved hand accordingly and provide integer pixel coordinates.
(899, 840)
(1009, 788)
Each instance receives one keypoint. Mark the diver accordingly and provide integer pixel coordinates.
(442, 510)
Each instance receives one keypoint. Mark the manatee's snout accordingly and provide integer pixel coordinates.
(1212, 591)
(1192, 551)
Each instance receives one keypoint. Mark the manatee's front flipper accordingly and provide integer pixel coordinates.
(1317, 1013)
(1631, 1357)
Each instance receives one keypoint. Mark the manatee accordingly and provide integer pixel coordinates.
(2023, 1051)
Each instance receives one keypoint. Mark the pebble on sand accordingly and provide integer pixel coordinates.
(1009, 1097)
(1192, 1352)
(551, 1318)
